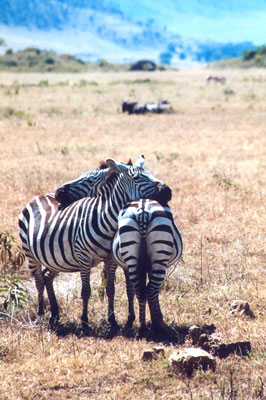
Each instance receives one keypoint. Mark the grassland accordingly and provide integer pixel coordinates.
(211, 151)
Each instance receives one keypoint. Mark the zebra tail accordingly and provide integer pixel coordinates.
(142, 269)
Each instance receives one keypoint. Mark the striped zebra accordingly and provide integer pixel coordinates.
(79, 236)
(147, 242)
(39, 213)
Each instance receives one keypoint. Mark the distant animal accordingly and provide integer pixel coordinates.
(133, 108)
(164, 106)
(129, 107)
(220, 79)
(136, 108)
(147, 242)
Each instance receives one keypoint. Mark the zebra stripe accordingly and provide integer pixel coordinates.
(147, 243)
(78, 237)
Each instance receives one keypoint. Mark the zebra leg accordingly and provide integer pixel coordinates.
(36, 271)
(130, 296)
(48, 279)
(110, 269)
(85, 295)
(142, 315)
(153, 288)
(141, 296)
(86, 263)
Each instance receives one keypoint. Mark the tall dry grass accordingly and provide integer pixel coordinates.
(211, 151)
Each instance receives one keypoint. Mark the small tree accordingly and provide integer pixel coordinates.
(143, 65)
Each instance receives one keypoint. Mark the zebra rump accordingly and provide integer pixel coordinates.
(147, 242)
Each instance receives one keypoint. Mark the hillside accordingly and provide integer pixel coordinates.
(121, 32)
(254, 58)
(33, 59)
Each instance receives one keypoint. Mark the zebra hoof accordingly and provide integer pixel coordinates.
(142, 331)
(85, 328)
(112, 322)
(53, 321)
(130, 321)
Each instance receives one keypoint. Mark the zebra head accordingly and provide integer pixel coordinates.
(139, 182)
(87, 185)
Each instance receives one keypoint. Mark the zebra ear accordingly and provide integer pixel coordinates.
(116, 167)
(140, 161)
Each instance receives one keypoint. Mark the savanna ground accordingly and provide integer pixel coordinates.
(211, 151)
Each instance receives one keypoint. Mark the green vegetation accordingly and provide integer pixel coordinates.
(34, 59)
(10, 112)
(250, 58)
(12, 292)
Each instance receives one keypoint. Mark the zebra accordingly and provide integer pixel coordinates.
(79, 236)
(47, 205)
(147, 242)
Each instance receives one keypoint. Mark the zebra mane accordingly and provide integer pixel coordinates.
(111, 174)
(103, 165)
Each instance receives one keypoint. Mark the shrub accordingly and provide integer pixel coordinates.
(249, 55)
(49, 60)
(103, 63)
(143, 65)
(44, 83)
(10, 63)
(12, 292)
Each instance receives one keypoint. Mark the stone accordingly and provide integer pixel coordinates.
(190, 359)
(153, 354)
(148, 355)
(241, 349)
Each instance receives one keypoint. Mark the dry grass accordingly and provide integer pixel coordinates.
(54, 131)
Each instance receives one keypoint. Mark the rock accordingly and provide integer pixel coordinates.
(153, 354)
(242, 308)
(149, 354)
(191, 358)
(241, 349)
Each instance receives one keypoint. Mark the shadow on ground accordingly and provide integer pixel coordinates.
(172, 334)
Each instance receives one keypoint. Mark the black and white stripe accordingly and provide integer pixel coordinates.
(39, 215)
(79, 236)
(147, 242)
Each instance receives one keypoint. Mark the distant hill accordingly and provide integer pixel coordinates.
(124, 31)
(250, 59)
(34, 59)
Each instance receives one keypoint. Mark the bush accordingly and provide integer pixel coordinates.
(49, 60)
(143, 65)
(262, 50)
(249, 55)
(103, 63)
(10, 63)
(12, 292)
